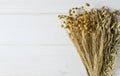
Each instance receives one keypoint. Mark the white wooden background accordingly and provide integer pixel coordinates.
(32, 43)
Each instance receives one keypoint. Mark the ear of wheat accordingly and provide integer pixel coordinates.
(95, 34)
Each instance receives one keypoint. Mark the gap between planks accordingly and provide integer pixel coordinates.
(32, 13)
(36, 45)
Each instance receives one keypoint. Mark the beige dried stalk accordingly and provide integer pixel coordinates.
(95, 34)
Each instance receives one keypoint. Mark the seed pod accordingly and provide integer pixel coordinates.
(87, 4)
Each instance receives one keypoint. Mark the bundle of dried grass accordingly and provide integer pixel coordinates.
(95, 34)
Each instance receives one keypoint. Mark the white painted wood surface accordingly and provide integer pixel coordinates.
(40, 61)
(32, 29)
(49, 6)
(32, 43)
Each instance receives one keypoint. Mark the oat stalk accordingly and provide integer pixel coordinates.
(95, 34)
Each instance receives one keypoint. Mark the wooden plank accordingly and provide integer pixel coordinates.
(40, 61)
(32, 29)
(48, 6)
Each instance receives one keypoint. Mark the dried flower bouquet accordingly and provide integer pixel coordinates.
(95, 34)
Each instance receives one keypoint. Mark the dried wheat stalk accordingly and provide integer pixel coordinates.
(95, 34)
